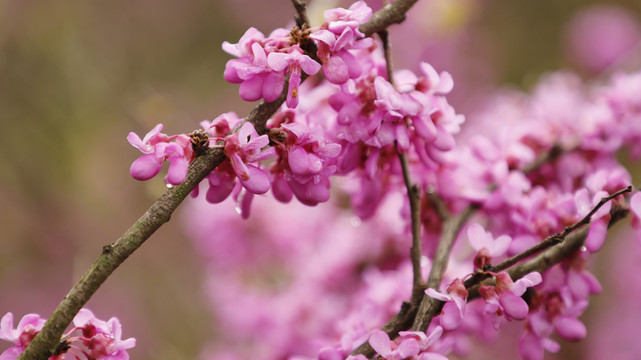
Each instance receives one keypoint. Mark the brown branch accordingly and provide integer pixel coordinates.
(451, 228)
(301, 11)
(553, 255)
(393, 13)
(556, 238)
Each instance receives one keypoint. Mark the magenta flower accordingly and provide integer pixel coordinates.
(339, 64)
(339, 19)
(102, 339)
(158, 148)
(295, 61)
(454, 307)
(425, 342)
(503, 301)
(382, 344)
(244, 147)
(486, 245)
(28, 327)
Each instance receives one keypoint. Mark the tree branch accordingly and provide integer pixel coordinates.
(301, 11)
(393, 13)
(451, 228)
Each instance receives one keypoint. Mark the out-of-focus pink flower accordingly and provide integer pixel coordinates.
(487, 246)
(381, 342)
(599, 36)
(425, 342)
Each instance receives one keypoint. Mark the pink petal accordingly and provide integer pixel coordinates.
(311, 193)
(281, 190)
(500, 245)
(452, 316)
(635, 204)
(177, 171)
(309, 66)
(273, 84)
(298, 161)
(354, 67)
(570, 328)
(437, 295)
(445, 84)
(596, 236)
(408, 348)
(478, 237)
(380, 342)
(145, 167)
(220, 186)
(444, 140)
(257, 181)
(515, 307)
(6, 328)
(251, 89)
(335, 70)
(278, 61)
(530, 347)
(425, 128)
(529, 280)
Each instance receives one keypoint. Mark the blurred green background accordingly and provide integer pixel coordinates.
(77, 75)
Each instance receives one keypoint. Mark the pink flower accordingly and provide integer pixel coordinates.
(28, 327)
(487, 246)
(454, 308)
(382, 344)
(295, 61)
(425, 342)
(503, 301)
(157, 148)
(338, 19)
(244, 147)
(102, 339)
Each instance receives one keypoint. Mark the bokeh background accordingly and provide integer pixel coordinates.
(76, 76)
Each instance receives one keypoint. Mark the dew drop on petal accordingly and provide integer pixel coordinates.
(238, 209)
(355, 221)
(584, 249)
(169, 186)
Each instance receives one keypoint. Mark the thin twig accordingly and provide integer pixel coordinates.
(413, 193)
(301, 11)
(450, 231)
(438, 204)
(556, 238)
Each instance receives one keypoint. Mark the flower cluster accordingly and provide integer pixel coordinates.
(349, 124)
(90, 338)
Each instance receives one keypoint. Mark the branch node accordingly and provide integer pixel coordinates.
(107, 249)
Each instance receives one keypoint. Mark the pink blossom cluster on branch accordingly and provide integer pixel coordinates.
(90, 338)
(531, 163)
